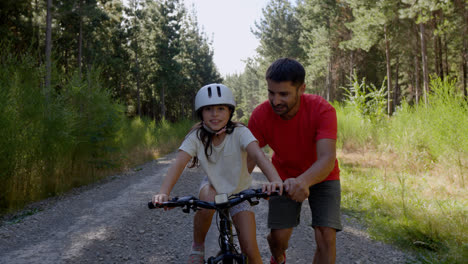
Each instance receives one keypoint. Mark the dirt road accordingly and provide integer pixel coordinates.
(110, 223)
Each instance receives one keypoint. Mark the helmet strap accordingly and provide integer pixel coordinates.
(212, 131)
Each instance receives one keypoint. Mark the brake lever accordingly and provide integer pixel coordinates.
(252, 202)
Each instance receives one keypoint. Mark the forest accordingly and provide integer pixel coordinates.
(90, 88)
(399, 44)
(150, 55)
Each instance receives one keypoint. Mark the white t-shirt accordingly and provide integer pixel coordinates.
(226, 167)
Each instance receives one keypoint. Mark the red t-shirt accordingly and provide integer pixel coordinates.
(294, 141)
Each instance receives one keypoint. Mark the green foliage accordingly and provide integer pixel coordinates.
(43, 141)
(435, 132)
(439, 129)
(249, 89)
(75, 137)
(143, 133)
(354, 131)
(416, 200)
(278, 32)
(96, 119)
(368, 100)
(320, 22)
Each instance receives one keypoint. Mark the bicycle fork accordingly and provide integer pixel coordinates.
(228, 252)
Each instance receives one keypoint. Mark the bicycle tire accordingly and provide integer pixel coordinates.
(243, 260)
(236, 261)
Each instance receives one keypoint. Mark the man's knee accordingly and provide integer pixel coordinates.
(325, 236)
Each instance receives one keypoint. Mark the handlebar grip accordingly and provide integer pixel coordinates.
(151, 205)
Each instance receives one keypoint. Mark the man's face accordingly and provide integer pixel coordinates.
(284, 98)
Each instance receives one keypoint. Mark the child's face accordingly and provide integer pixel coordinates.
(216, 116)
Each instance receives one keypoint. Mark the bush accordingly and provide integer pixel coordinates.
(50, 144)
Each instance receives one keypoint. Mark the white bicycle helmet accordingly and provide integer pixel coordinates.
(214, 94)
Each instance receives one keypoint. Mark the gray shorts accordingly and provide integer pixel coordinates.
(244, 206)
(324, 201)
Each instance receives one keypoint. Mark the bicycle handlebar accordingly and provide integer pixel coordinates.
(191, 202)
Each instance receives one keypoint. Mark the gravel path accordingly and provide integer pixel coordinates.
(109, 223)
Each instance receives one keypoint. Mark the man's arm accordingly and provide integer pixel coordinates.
(298, 188)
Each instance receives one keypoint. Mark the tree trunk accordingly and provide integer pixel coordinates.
(163, 101)
(138, 80)
(329, 77)
(134, 5)
(416, 78)
(465, 48)
(351, 66)
(48, 51)
(38, 32)
(389, 77)
(329, 68)
(446, 63)
(396, 93)
(440, 55)
(80, 37)
(424, 62)
(417, 68)
(436, 54)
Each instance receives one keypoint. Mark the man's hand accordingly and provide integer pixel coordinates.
(296, 189)
(272, 186)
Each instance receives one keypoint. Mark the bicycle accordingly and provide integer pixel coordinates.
(228, 251)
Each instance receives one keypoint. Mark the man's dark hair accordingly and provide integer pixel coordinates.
(286, 69)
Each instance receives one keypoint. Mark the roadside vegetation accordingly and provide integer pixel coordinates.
(73, 138)
(405, 177)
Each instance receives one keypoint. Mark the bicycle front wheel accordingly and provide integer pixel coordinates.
(240, 259)
(232, 259)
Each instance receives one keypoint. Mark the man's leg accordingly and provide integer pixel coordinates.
(278, 240)
(325, 237)
(283, 216)
(324, 201)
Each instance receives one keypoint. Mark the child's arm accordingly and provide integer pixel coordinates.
(257, 157)
(172, 176)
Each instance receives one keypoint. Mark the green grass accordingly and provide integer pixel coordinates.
(404, 176)
(400, 208)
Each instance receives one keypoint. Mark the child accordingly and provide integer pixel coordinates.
(220, 146)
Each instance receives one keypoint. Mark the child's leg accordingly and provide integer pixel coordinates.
(247, 235)
(203, 217)
(201, 225)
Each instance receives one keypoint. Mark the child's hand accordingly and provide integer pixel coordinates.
(160, 198)
(269, 187)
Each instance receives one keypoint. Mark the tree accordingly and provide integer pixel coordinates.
(322, 28)
(197, 65)
(420, 11)
(135, 34)
(372, 20)
(16, 23)
(48, 50)
(279, 32)
(167, 47)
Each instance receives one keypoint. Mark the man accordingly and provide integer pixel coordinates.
(301, 130)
